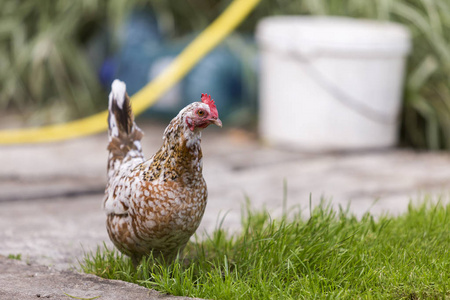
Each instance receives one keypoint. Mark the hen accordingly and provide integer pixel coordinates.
(154, 206)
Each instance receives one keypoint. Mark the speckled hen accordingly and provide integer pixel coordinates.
(155, 205)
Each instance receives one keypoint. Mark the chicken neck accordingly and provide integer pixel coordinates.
(180, 156)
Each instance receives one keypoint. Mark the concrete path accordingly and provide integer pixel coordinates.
(50, 194)
(21, 281)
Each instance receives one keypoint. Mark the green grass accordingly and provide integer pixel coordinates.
(15, 256)
(330, 254)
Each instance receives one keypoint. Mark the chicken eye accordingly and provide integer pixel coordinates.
(201, 113)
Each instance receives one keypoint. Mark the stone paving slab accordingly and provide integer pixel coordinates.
(54, 232)
(19, 280)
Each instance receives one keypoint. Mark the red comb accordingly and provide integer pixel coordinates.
(207, 100)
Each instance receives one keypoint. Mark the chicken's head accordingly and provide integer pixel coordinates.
(201, 114)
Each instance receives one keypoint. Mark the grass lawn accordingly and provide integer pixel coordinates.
(331, 254)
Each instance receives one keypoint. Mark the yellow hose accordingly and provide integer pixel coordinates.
(183, 63)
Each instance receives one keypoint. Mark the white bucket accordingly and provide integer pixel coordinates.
(331, 83)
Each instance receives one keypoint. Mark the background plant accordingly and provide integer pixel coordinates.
(44, 64)
(44, 71)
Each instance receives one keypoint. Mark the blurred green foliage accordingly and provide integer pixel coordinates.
(43, 62)
(44, 71)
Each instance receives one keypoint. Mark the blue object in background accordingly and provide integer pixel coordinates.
(139, 40)
(144, 54)
(218, 74)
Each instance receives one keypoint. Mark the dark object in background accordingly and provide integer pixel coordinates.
(228, 72)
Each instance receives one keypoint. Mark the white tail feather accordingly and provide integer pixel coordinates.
(118, 90)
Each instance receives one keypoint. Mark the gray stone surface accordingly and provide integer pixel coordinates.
(50, 194)
(21, 281)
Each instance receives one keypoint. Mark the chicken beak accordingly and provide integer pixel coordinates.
(216, 122)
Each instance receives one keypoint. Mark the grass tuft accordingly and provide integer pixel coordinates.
(15, 256)
(332, 254)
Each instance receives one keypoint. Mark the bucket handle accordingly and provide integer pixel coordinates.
(340, 95)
